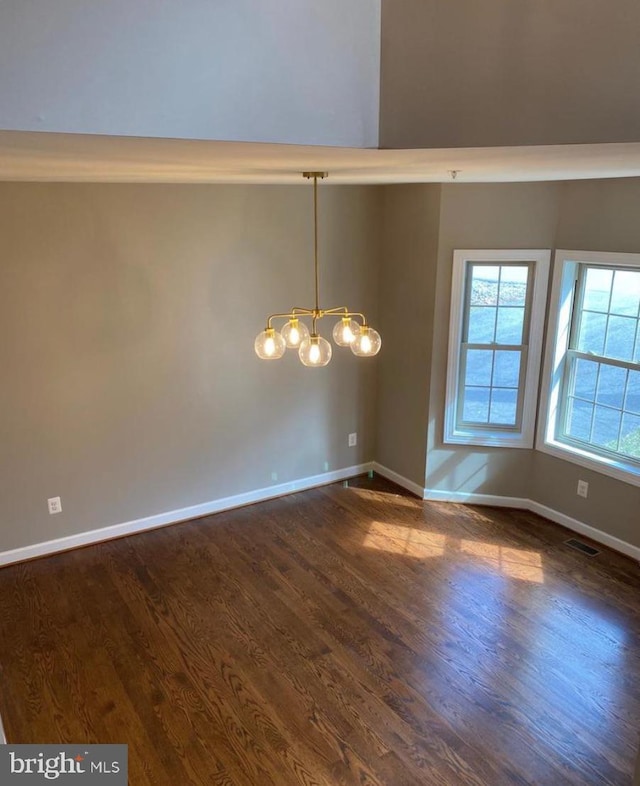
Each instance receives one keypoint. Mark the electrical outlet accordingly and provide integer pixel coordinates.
(353, 440)
(583, 489)
(55, 505)
(274, 476)
(326, 466)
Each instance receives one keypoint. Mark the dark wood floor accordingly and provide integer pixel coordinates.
(338, 636)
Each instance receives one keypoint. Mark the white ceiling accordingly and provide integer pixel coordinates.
(33, 156)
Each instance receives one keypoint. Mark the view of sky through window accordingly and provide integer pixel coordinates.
(603, 396)
(494, 335)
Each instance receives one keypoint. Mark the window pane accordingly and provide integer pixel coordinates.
(621, 333)
(611, 385)
(625, 297)
(597, 289)
(585, 379)
(632, 401)
(484, 285)
(592, 331)
(606, 423)
(475, 407)
(510, 324)
(479, 366)
(513, 285)
(630, 437)
(503, 406)
(600, 409)
(579, 419)
(482, 325)
(506, 369)
(493, 314)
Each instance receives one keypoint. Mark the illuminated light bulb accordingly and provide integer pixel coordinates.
(315, 351)
(269, 345)
(294, 333)
(367, 343)
(345, 332)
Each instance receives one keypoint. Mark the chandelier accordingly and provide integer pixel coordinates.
(351, 329)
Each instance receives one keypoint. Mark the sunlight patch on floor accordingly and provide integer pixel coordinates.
(405, 540)
(423, 544)
(515, 563)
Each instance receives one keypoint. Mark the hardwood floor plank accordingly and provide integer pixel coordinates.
(339, 636)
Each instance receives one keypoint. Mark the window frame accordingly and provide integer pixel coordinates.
(555, 378)
(493, 435)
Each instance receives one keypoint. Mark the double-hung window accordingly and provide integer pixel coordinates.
(495, 342)
(592, 375)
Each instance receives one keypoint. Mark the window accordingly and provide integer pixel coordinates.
(495, 342)
(592, 375)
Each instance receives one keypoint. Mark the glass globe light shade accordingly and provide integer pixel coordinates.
(367, 342)
(294, 333)
(269, 345)
(345, 332)
(315, 351)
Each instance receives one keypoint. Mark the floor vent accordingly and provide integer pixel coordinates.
(578, 545)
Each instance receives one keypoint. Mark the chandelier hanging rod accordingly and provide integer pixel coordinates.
(315, 176)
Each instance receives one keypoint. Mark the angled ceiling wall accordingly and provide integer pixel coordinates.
(354, 73)
(499, 72)
(274, 71)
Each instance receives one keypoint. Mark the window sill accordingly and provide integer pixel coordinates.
(489, 440)
(620, 470)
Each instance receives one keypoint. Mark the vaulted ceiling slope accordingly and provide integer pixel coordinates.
(247, 92)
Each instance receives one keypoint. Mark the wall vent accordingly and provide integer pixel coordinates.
(578, 545)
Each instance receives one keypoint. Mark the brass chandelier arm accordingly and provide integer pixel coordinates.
(277, 316)
(316, 314)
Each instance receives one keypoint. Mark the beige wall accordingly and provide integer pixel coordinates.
(291, 71)
(498, 72)
(589, 215)
(128, 313)
(127, 319)
(422, 227)
(407, 287)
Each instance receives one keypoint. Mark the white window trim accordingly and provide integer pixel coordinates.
(565, 266)
(497, 437)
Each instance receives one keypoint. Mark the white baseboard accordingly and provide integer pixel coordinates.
(585, 529)
(464, 498)
(468, 498)
(261, 495)
(407, 484)
(175, 516)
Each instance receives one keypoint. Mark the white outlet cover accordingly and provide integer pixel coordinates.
(583, 488)
(55, 505)
(353, 440)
